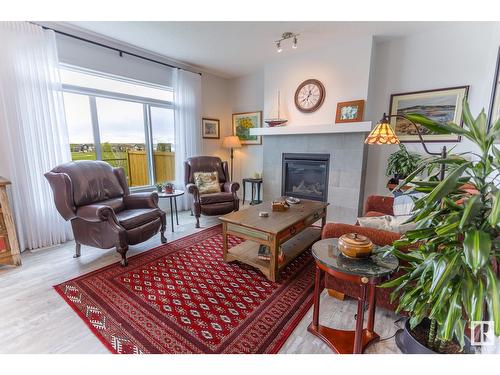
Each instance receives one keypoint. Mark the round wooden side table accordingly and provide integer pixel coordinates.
(367, 273)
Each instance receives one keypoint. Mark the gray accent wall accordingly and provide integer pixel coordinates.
(347, 159)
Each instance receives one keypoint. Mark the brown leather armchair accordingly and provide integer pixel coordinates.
(96, 198)
(214, 203)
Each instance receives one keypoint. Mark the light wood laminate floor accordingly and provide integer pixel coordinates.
(35, 319)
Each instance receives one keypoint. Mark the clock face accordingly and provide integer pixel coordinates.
(309, 95)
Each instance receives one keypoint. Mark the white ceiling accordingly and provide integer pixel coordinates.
(232, 49)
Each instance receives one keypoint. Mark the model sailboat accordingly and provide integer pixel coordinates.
(272, 122)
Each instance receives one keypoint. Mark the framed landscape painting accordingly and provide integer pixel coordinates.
(210, 128)
(441, 105)
(243, 122)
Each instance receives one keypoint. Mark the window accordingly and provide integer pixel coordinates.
(126, 123)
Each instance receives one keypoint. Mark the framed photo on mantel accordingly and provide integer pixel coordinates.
(350, 111)
(441, 105)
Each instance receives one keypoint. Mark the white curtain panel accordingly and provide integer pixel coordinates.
(187, 119)
(33, 132)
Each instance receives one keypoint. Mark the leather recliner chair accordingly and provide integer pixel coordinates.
(213, 203)
(96, 198)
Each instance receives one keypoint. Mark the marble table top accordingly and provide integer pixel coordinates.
(327, 253)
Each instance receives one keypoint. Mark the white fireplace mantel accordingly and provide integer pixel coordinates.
(351, 127)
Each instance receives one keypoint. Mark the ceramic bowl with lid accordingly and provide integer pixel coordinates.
(354, 245)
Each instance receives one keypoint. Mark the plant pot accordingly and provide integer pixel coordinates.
(408, 344)
(159, 189)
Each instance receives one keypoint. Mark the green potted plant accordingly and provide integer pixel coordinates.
(450, 269)
(401, 164)
(159, 187)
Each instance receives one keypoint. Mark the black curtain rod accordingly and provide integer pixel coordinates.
(121, 52)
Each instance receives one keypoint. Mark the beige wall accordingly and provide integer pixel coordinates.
(247, 96)
(220, 99)
(216, 104)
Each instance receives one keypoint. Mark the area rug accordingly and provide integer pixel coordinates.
(182, 298)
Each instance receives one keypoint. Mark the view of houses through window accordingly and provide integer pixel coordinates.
(126, 123)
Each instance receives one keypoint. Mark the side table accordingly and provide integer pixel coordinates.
(172, 196)
(256, 183)
(367, 273)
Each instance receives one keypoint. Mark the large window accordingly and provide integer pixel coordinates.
(126, 123)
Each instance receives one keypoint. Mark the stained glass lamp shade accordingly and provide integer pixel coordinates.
(382, 134)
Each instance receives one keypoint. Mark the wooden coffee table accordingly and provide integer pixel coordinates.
(289, 229)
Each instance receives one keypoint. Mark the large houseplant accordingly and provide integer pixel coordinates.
(451, 269)
(401, 164)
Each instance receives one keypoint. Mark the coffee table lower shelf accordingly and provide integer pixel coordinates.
(246, 252)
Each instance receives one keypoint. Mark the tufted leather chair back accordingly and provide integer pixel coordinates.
(205, 164)
(83, 182)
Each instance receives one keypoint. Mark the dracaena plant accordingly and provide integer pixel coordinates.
(451, 263)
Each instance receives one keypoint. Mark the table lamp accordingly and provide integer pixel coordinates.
(231, 142)
(383, 134)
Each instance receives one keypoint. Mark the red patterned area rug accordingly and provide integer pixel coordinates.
(182, 298)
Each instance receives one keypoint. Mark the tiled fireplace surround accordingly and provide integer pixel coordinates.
(346, 174)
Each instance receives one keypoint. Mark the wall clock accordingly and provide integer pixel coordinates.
(309, 95)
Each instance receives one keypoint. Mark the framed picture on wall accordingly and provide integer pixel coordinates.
(350, 111)
(494, 113)
(210, 128)
(243, 122)
(440, 105)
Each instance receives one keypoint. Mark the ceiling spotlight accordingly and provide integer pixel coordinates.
(285, 36)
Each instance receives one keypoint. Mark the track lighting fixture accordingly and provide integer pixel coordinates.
(285, 36)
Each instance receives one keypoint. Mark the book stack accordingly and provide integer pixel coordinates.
(264, 253)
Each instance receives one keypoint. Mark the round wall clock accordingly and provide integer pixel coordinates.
(309, 95)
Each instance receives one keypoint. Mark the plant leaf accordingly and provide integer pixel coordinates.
(447, 185)
(494, 217)
(472, 208)
(442, 270)
(477, 246)
(433, 126)
(494, 299)
(453, 315)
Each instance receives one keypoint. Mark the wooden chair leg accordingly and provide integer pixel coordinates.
(336, 294)
(123, 253)
(77, 250)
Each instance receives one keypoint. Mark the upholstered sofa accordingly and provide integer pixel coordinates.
(96, 198)
(375, 206)
(221, 203)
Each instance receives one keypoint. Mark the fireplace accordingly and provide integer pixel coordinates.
(305, 176)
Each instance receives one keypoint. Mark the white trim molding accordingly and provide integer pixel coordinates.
(352, 127)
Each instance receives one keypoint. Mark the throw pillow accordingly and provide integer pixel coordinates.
(207, 182)
(387, 222)
(403, 204)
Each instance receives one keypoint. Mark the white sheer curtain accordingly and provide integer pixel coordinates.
(187, 119)
(33, 132)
